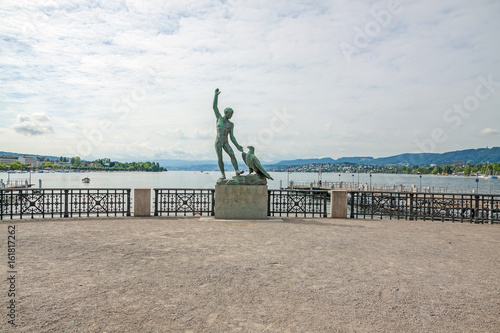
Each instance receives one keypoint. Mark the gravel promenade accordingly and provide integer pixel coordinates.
(294, 275)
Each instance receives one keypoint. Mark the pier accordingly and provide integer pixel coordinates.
(16, 182)
(356, 186)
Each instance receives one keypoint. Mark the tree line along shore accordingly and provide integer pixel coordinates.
(77, 164)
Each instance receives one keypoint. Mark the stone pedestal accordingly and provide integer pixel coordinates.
(241, 202)
(338, 204)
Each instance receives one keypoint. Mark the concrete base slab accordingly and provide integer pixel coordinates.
(241, 202)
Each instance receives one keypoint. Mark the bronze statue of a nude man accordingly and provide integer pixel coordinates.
(225, 128)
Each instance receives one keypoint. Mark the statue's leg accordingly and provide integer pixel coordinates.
(218, 149)
(229, 151)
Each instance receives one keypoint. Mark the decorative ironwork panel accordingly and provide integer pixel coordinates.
(184, 202)
(297, 203)
(477, 208)
(64, 202)
(31, 202)
(107, 202)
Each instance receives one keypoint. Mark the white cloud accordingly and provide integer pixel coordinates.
(36, 124)
(489, 131)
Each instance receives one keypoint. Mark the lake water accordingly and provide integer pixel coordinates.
(197, 179)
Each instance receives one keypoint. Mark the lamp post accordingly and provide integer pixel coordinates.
(477, 183)
(288, 177)
(358, 177)
(353, 180)
(420, 175)
(370, 180)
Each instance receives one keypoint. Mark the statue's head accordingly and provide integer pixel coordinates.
(228, 112)
(251, 149)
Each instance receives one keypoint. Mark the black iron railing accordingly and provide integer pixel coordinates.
(478, 208)
(184, 202)
(64, 202)
(297, 203)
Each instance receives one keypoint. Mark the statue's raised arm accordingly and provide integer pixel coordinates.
(216, 98)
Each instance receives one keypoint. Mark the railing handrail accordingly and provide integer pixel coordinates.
(301, 190)
(181, 189)
(426, 193)
(64, 188)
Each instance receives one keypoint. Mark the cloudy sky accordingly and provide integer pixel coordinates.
(134, 79)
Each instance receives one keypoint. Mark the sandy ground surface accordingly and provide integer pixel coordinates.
(297, 275)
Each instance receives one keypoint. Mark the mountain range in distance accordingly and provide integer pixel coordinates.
(468, 156)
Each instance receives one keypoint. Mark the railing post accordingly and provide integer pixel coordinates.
(411, 206)
(2, 204)
(66, 214)
(156, 202)
(476, 208)
(268, 202)
(128, 201)
(325, 196)
(472, 210)
(491, 211)
(213, 203)
(352, 204)
(20, 204)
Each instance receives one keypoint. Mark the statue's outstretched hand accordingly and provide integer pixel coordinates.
(217, 91)
(240, 148)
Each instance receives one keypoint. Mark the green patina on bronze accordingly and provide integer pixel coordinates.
(254, 164)
(243, 180)
(224, 129)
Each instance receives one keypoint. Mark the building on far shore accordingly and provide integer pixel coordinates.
(31, 161)
(8, 159)
(58, 162)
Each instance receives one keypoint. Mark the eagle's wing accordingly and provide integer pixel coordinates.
(260, 168)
